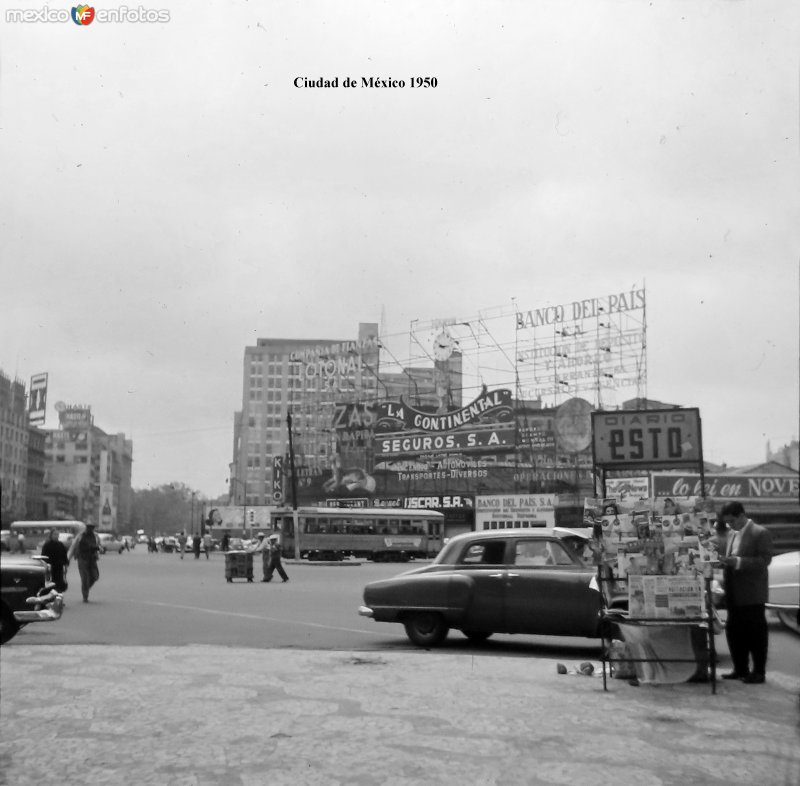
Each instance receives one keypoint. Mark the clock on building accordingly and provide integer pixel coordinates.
(443, 346)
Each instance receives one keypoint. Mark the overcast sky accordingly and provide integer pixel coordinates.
(167, 196)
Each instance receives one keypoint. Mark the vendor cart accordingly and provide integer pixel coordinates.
(238, 565)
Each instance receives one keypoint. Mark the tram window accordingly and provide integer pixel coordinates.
(311, 525)
(405, 527)
(394, 526)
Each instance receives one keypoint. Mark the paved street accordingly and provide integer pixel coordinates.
(207, 715)
(159, 599)
(150, 683)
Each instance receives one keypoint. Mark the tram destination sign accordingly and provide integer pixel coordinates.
(654, 438)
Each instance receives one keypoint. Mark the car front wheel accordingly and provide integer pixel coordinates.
(426, 628)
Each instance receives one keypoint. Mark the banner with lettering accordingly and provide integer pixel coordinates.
(727, 486)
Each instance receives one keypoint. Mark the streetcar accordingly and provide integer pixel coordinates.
(37, 532)
(378, 534)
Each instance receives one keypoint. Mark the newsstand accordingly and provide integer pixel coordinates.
(238, 565)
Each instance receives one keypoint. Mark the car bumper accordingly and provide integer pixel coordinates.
(53, 603)
(366, 611)
(783, 606)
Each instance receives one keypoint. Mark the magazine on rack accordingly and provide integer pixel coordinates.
(665, 597)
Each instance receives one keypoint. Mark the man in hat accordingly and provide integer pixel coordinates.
(274, 561)
(85, 547)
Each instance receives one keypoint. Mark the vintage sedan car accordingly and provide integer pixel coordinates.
(110, 542)
(784, 589)
(532, 581)
(26, 594)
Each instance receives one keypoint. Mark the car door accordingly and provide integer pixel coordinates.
(548, 591)
(484, 563)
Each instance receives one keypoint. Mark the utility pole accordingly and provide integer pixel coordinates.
(295, 520)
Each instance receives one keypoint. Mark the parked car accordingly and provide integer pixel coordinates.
(168, 544)
(784, 588)
(110, 542)
(26, 594)
(532, 581)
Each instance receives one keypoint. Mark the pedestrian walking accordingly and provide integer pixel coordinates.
(208, 543)
(56, 553)
(748, 553)
(263, 547)
(274, 560)
(21, 543)
(85, 547)
(182, 542)
(196, 540)
(226, 541)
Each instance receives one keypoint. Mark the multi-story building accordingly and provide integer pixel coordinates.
(96, 467)
(35, 508)
(14, 436)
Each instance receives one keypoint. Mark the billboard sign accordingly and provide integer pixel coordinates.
(647, 438)
(514, 511)
(772, 487)
(486, 425)
(493, 406)
(75, 417)
(37, 403)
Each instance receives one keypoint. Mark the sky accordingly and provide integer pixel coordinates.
(167, 196)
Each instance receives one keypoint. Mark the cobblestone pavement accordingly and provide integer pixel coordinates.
(215, 715)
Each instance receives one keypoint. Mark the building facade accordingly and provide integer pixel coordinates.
(35, 507)
(14, 438)
(95, 467)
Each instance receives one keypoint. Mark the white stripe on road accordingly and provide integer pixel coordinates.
(264, 619)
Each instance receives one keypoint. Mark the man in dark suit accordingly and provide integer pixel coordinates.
(748, 553)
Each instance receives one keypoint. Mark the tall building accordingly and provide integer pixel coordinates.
(35, 507)
(14, 437)
(96, 467)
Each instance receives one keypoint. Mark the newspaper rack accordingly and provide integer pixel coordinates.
(701, 620)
